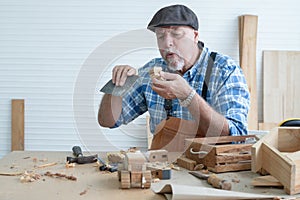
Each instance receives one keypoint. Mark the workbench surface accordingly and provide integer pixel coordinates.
(92, 183)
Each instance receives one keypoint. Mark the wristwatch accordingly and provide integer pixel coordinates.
(186, 102)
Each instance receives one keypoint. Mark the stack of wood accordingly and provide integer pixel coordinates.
(219, 154)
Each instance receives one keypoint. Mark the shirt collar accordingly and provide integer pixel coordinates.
(196, 67)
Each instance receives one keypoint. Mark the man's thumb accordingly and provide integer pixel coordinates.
(131, 72)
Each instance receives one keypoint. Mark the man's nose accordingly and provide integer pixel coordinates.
(169, 41)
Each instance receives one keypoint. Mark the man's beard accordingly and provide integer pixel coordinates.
(175, 64)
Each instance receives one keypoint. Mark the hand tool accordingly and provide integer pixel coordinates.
(110, 88)
(213, 180)
(79, 158)
(105, 167)
(290, 122)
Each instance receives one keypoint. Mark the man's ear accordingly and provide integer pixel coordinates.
(196, 36)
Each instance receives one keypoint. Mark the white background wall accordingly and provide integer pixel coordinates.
(45, 46)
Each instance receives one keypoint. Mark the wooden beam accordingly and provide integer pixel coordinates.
(247, 49)
(17, 125)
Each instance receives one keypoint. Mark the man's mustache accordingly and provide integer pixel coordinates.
(170, 51)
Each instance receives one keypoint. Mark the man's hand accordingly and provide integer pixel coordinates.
(174, 87)
(120, 74)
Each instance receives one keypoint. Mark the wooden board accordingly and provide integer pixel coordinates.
(247, 49)
(281, 72)
(17, 125)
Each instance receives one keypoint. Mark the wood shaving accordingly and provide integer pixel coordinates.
(83, 192)
(10, 173)
(198, 167)
(234, 180)
(29, 177)
(46, 165)
(70, 165)
(174, 167)
(155, 180)
(115, 157)
(59, 175)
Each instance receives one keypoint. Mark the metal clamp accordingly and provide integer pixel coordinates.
(197, 152)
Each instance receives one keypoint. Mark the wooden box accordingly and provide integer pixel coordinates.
(278, 153)
(221, 154)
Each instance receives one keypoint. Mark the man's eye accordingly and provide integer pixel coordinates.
(160, 36)
(177, 34)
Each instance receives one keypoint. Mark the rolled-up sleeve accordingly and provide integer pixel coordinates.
(232, 100)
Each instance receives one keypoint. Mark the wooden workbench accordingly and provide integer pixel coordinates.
(97, 184)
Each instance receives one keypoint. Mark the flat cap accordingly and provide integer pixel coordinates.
(175, 15)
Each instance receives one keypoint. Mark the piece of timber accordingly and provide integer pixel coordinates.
(17, 125)
(186, 163)
(247, 49)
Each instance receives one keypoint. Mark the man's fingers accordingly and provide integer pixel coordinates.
(168, 76)
(120, 73)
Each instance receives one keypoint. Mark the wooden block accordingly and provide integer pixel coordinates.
(267, 155)
(247, 49)
(17, 125)
(136, 161)
(160, 155)
(136, 179)
(125, 180)
(186, 163)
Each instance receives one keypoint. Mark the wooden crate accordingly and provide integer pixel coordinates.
(221, 154)
(278, 153)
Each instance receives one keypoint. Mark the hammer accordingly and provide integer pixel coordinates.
(79, 158)
(213, 180)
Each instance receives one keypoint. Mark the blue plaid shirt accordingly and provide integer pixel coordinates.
(227, 93)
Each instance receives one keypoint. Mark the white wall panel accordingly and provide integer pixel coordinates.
(44, 44)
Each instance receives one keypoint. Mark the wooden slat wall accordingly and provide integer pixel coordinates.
(17, 125)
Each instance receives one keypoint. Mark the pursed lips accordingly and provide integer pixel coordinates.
(170, 55)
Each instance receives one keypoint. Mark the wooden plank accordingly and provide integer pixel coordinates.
(281, 82)
(222, 139)
(233, 148)
(232, 158)
(17, 125)
(247, 45)
(278, 166)
(230, 167)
